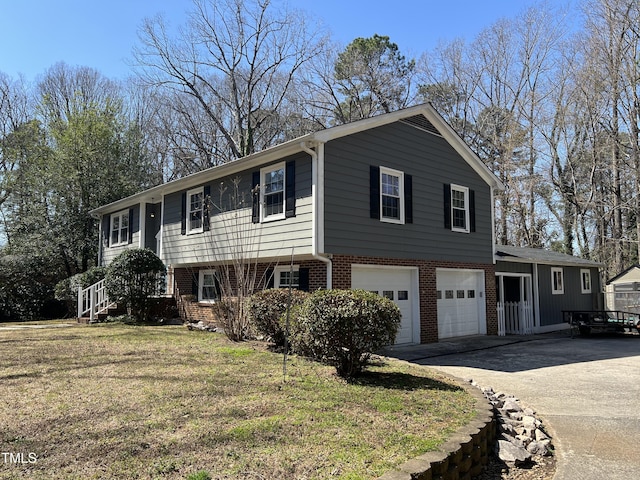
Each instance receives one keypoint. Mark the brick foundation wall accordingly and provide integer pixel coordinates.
(427, 287)
(184, 279)
(192, 310)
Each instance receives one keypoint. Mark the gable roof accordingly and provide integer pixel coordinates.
(537, 255)
(422, 116)
(633, 269)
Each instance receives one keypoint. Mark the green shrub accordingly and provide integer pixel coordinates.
(266, 310)
(343, 327)
(26, 287)
(132, 279)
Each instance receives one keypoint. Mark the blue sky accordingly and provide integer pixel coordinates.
(35, 34)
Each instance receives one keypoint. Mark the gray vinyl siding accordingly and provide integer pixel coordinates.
(264, 240)
(551, 306)
(109, 252)
(432, 162)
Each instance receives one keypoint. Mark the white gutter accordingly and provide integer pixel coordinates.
(317, 202)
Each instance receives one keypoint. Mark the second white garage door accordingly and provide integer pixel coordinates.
(461, 303)
(400, 285)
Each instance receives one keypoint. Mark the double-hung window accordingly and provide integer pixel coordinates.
(391, 195)
(285, 277)
(459, 209)
(120, 228)
(273, 185)
(585, 280)
(208, 291)
(557, 281)
(195, 206)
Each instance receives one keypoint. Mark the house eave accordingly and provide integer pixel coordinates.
(510, 259)
(155, 194)
(524, 255)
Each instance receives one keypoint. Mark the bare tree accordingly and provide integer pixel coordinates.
(15, 112)
(448, 82)
(498, 94)
(235, 64)
(612, 43)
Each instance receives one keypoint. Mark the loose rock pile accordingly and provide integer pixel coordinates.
(520, 434)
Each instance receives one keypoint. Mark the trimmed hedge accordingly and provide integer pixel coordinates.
(344, 327)
(132, 278)
(267, 309)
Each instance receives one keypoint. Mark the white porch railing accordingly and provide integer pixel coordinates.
(92, 300)
(515, 318)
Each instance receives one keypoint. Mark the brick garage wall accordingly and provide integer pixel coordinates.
(185, 280)
(427, 288)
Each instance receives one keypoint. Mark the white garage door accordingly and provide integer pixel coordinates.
(397, 284)
(461, 303)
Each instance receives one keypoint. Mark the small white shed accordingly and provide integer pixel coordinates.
(622, 292)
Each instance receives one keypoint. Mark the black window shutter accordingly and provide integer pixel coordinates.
(269, 278)
(447, 206)
(472, 210)
(194, 283)
(206, 205)
(183, 214)
(303, 279)
(408, 198)
(255, 200)
(130, 233)
(290, 189)
(374, 191)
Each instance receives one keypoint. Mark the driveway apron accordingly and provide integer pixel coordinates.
(586, 390)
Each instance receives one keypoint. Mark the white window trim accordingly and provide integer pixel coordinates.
(201, 275)
(278, 270)
(190, 193)
(263, 171)
(465, 190)
(120, 215)
(559, 291)
(400, 175)
(584, 271)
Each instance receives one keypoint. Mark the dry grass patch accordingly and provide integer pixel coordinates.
(116, 401)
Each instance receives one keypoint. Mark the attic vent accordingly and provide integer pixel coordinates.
(421, 122)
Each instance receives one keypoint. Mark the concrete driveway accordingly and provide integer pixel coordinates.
(586, 390)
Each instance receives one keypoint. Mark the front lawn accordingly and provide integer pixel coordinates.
(115, 401)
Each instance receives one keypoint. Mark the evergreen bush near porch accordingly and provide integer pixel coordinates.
(132, 279)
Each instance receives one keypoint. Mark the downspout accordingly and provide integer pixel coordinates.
(142, 225)
(100, 241)
(317, 223)
(493, 223)
(536, 298)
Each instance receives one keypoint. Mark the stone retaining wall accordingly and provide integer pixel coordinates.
(463, 456)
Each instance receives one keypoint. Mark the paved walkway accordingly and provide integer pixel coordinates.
(586, 390)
